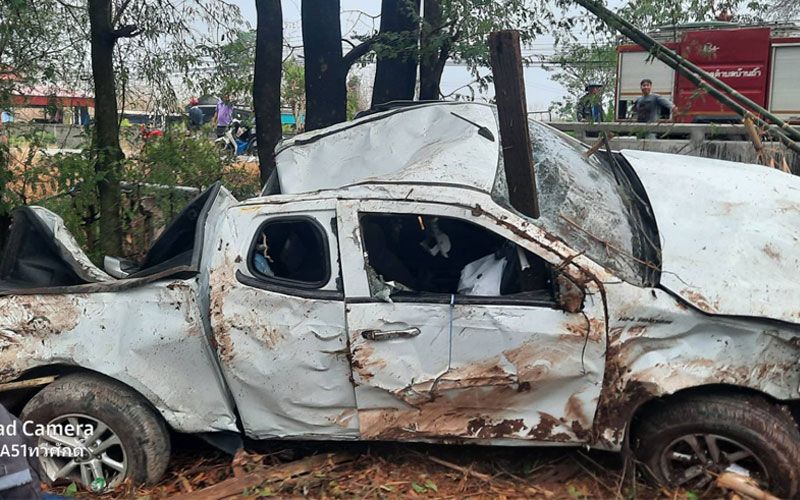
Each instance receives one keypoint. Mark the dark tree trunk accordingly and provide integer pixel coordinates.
(106, 129)
(396, 70)
(434, 51)
(5, 225)
(326, 89)
(267, 82)
(5, 177)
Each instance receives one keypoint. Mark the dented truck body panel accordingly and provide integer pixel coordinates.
(150, 338)
(284, 356)
(517, 372)
(225, 350)
(500, 380)
(728, 233)
(150, 335)
(659, 345)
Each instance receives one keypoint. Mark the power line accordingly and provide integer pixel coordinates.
(559, 62)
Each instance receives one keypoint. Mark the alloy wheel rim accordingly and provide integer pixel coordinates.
(89, 452)
(693, 461)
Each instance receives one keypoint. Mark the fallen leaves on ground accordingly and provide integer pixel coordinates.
(393, 470)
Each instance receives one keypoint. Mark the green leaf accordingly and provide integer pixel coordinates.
(418, 488)
(691, 495)
(71, 490)
(575, 492)
(265, 492)
(431, 485)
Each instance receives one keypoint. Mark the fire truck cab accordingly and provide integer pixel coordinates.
(760, 62)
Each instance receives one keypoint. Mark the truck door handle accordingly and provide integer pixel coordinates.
(390, 334)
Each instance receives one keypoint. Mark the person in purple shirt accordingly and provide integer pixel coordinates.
(223, 115)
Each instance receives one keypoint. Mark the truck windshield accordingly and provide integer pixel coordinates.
(595, 205)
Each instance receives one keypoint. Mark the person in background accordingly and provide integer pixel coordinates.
(648, 107)
(590, 106)
(195, 114)
(223, 115)
(3, 147)
(86, 120)
(147, 132)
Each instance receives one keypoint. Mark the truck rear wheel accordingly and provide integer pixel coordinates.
(99, 433)
(690, 440)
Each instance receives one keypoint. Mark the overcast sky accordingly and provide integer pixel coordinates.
(539, 88)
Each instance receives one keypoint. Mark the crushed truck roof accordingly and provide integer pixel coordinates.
(441, 143)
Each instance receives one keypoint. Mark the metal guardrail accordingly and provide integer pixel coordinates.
(584, 131)
(544, 115)
(721, 141)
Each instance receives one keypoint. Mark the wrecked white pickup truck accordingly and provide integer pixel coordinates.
(389, 292)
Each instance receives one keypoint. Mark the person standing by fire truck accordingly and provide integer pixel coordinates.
(590, 106)
(648, 107)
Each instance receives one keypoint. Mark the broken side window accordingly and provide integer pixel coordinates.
(291, 251)
(419, 254)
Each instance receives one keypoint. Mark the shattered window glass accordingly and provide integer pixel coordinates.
(590, 206)
(444, 255)
(291, 250)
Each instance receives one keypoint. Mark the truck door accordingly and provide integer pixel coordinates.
(455, 330)
(277, 316)
(784, 99)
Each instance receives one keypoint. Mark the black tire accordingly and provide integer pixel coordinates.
(141, 431)
(766, 430)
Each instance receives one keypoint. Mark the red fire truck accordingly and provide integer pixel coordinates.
(760, 62)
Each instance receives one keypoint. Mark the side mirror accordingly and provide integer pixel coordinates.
(570, 295)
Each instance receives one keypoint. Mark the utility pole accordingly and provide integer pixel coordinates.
(512, 112)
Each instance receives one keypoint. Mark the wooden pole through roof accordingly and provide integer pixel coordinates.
(512, 112)
(779, 129)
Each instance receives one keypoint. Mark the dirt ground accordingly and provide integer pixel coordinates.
(390, 470)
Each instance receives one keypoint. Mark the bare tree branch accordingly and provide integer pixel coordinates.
(357, 52)
(289, 55)
(71, 10)
(69, 5)
(465, 86)
(126, 31)
(120, 11)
